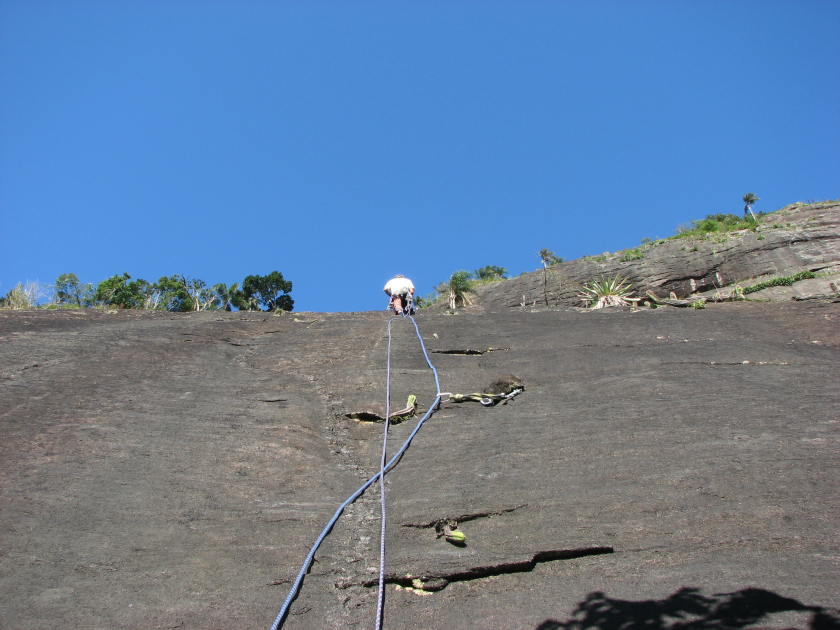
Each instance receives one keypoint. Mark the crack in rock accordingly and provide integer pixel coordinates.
(439, 582)
(468, 352)
(465, 517)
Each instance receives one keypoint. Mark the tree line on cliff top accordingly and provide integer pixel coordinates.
(169, 293)
(271, 292)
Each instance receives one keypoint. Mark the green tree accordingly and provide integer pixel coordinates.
(245, 303)
(548, 258)
(749, 200)
(201, 296)
(226, 294)
(170, 294)
(490, 272)
(270, 292)
(68, 290)
(461, 289)
(122, 292)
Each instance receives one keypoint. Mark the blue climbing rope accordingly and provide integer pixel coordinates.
(391, 463)
(380, 597)
(381, 593)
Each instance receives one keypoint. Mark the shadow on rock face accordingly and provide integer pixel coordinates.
(688, 609)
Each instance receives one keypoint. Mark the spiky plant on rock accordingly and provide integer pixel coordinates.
(606, 291)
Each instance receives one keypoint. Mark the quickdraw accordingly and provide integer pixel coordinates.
(488, 400)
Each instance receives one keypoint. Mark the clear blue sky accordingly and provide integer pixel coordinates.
(344, 142)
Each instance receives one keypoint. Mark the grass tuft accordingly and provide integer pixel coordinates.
(785, 281)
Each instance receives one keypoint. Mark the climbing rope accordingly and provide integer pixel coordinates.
(381, 594)
(380, 475)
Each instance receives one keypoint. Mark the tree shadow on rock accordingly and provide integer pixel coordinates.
(688, 609)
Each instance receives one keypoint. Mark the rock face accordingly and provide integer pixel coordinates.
(806, 237)
(166, 470)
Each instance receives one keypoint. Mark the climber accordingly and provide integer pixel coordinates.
(401, 292)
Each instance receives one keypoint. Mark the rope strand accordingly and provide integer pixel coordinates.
(284, 610)
(381, 595)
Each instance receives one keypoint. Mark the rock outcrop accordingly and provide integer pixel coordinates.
(796, 238)
(172, 470)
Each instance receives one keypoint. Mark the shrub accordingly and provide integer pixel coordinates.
(632, 254)
(24, 296)
(716, 224)
(785, 281)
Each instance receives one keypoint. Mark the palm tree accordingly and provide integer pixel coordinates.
(547, 257)
(490, 272)
(460, 289)
(226, 294)
(749, 200)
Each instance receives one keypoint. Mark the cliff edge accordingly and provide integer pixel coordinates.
(796, 238)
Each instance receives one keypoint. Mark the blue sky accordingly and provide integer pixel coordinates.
(344, 142)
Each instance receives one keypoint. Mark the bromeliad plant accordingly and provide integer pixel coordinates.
(606, 291)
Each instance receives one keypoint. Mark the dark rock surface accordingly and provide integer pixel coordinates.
(806, 237)
(168, 470)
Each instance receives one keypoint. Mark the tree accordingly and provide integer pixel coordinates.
(68, 290)
(547, 257)
(490, 272)
(271, 292)
(24, 296)
(201, 296)
(243, 303)
(423, 301)
(226, 294)
(460, 288)
(122, 292)
(170, 294)
(749, 200)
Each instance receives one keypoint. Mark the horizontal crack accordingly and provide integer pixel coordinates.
(439, 582)
(465, 517)
(468, 352)
(741, 363)
(233, 343)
